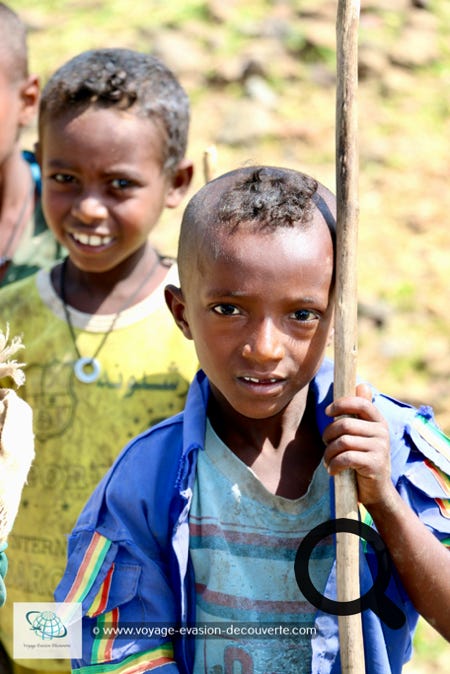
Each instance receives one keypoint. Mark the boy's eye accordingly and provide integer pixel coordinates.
(305, 315)
(62, 178)
(226, 310)
(121, 183)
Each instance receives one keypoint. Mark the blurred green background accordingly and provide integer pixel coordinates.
(261, 78)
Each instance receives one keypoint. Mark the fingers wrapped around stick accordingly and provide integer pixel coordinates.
(358, 438)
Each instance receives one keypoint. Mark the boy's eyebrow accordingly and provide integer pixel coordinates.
(224, 292)
(221, 292)
(59, 163)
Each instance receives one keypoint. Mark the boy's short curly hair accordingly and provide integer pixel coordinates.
(269, 198)
(127, 80)
(253, 199)
(13, 44)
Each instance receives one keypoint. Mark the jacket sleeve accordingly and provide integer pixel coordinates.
(117, 569)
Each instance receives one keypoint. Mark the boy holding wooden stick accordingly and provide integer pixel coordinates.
(194, 531)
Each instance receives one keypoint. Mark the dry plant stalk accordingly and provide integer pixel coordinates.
(16, 434)
(8, 367)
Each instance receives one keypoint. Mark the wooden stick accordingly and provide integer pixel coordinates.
(347, 166)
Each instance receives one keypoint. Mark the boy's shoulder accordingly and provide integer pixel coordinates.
(155, 466)
(18, 293)
(153, 447)
(145, 473)
(179, 433)
(416, 428)
(420, 458)
(420, 462)
(424, 426)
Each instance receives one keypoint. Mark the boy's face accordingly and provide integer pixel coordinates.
(104, 187)
(260, 315)
(17, 106)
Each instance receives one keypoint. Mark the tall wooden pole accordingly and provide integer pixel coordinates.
(347, 169)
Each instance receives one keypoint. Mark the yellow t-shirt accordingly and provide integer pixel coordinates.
(146, 366)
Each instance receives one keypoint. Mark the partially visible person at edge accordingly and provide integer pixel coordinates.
(104, 357)
(198, 523)
(26, 244)
(16, 445)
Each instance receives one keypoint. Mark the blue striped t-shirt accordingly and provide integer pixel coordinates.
(243, 543)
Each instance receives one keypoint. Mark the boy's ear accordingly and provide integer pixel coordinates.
(29, 94)
(177, 307)
(179, 183)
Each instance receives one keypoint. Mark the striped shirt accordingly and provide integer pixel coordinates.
(243, 542)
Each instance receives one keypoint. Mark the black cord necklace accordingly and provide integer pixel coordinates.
(87, 369)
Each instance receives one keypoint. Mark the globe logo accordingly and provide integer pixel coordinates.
(46, 624)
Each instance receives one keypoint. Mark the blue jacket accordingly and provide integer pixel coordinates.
(128, 555)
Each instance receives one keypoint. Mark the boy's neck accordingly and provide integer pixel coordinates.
(283, 451)
(107, 292)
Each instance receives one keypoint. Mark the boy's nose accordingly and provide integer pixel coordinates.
(89, 208)
(266, 343)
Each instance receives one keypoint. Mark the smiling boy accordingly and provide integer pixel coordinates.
(198, 522)
(104, 358)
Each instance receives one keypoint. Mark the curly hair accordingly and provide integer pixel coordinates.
(257, 199)
(13, 44)
(269, 198)
(127, 80)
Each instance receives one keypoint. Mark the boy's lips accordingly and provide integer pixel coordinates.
(261, 380)
(257, 382)
(92, 240)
